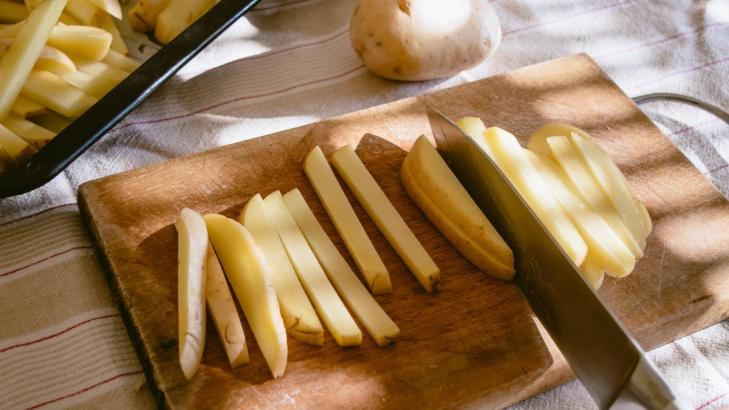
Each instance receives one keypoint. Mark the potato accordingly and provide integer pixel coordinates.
(415, 40)
(50, 59)
(177, 16)
(12, 12)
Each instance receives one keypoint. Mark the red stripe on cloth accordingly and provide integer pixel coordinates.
(684, 71)
(85, 389)
(544, 23)
(35, 214)
(68, 329)
(708, 403)
(45, 259)
(693, 127)
(245, 97)
(719, 168)
(663, 40)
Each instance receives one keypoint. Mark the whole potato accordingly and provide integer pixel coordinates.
(415, 40)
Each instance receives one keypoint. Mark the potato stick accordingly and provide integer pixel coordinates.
(82, 42)
(12, 12)
(53, 121)
(120, 61)
(6, 161)
(18, 61)
(69, 20)
(33, 134)
(31, 4)
(96, 86)
(109, 6)
(56, 94)
(177, 16)
(11, 30)
(15, 146)
(103, 70)
(143, 16)
(50, 59)
(82, 11)
(25, 108)
(106, 23)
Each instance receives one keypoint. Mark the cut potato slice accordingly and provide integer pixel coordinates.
(85, 42)
(50, 90)
(177, 16)
(96, 86)
(250, 277)
(50, 59)
(25, 108)
(593, 271)
(442, 198)
(53, 121)
(613, 182)
(11, 12)
(11, 30)
(14, 146)
(118, 60)
(143, 16)
(32, 133)
(326, 301)
(17, 63)
(330, 193)
(192, 248)
(106, 23)
(109, 6)
(582, 180)
(605, 247)
(223, 311)
(298, 314)
(101, 69)
(538, 141)
(513, 161)
(68, 20)
(83, 11)
(381, 210)
(355, 294)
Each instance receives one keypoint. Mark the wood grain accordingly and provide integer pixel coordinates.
(473, 343)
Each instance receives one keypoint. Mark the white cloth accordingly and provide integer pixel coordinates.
(288, 63)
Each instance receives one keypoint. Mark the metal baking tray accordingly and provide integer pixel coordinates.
(88, 128)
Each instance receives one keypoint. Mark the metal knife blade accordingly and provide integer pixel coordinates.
(597, 346)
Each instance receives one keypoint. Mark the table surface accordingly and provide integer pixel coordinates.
(289, 63)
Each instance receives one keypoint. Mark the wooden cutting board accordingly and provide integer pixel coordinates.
(474, 343)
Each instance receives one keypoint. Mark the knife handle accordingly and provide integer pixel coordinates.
(647, 390)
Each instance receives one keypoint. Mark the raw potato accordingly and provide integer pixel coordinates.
(50, 59)
(381, 210)
(103, 70)
(605, 248)
(25, 108)
(355, 294)
(191, 256)
(17, 63)
(439, 194)
(11, 12)
(415, 40)
(32, 133)
(298, 315)
(83, 11)
(325, 299)
(50, 90)
(110, 6)
(250, 277)
(177, 16)
(106, 23)
(330, 193)
(6, 161)
(143, 16)
(223, 311)
(96, 86)
(118, 60)
(86, 42)
(53, 121)
(14, 146)
(506, 152)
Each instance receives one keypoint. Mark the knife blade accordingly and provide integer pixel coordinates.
(602, 353)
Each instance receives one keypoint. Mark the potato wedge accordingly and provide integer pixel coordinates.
(355, 294)
(112, 7)
(84, 42)
(177, 16)
(117, 60)
(50, 90)
(328, 305)
(83, 11)
(592, 271)
(50, 59)
(96, 86)
(18, 61)
(223, 311)
(143, 16)
(192, 246)
(582, 180)
(298, 314)
(11, 30)
(101, 69)
(613, 182)
(32, 133)
(505, 150)
(605, 247)
(250, 277)
(14, 146)
(25, 108)
(68, 20)
(438, 193)
(11, 12)
(330, 193)
(381, 210)
(106, 23)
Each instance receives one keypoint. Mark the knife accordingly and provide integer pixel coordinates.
(604, 356)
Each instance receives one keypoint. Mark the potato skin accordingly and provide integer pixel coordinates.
(416, 40)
